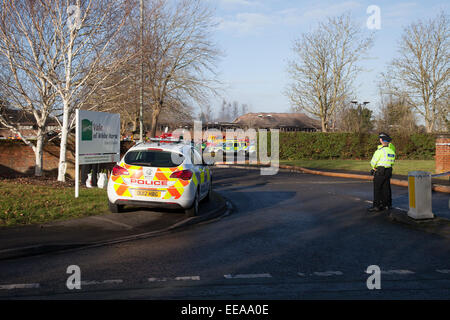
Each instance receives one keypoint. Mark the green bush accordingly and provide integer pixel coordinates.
(336, 145)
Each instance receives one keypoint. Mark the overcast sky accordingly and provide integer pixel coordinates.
(257, 37)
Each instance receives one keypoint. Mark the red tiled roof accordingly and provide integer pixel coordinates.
(278, 120)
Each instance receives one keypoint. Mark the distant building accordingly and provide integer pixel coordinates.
(25, 122)
(285, 122)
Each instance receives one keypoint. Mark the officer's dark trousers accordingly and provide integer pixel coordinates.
(86, 169)
(382, 195)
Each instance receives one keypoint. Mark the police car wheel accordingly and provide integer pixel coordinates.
(193, 210)
(115, 208)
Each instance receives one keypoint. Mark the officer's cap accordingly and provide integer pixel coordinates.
(385, 137)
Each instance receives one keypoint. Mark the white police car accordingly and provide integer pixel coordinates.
(162, 173)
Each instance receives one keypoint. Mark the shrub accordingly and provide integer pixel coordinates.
(337, 145)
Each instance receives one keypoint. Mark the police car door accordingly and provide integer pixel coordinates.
(200, 171)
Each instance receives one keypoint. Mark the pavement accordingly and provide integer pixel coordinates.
(289, 236)
(100, 229)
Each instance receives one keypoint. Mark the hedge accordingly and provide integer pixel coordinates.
(319, 145)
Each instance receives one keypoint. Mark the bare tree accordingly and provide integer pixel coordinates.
(26, 44)
(325, 67)
(396, 116)
(420, 74)
(80, 36)
(180, 57)
(354, 118)
(224, 113)
(120, 91)
(207, 114)
(235, 111)
(84, 45)
(443, 121)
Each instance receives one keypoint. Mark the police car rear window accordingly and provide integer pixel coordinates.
(153, 158)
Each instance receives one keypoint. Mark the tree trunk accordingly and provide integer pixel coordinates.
(324, 125)
(135, 123)
(428, 125)
(155, 116)
(63, 145)
(39, 153)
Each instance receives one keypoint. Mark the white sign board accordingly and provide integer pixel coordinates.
(97, 139)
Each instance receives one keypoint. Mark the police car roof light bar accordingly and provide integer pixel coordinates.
(166, 140)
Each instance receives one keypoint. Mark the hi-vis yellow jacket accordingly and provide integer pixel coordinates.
(390, 146)
(383, 157)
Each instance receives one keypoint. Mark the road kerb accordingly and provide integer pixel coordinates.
(437, 225)
(397, 182)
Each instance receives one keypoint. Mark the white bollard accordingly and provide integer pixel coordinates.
(419, 190)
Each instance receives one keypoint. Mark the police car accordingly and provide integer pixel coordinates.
(162, 173)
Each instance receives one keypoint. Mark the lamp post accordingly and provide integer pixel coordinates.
(355, 102)
(141, 95)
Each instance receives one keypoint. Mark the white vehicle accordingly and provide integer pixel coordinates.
(160, 174)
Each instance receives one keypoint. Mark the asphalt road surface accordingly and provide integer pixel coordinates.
(290, 236)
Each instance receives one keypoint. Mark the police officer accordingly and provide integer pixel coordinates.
(391, 146)
(382, 161)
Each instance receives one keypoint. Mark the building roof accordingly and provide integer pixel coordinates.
(278, 120)
(22, 117)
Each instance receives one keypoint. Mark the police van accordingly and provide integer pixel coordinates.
(163, 173)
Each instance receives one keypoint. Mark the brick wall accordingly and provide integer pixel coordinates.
(17, 158)
(442, 153)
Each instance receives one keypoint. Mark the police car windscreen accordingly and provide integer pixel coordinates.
(154, 158)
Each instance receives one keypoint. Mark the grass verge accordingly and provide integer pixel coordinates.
(29, 204)
(401, 167)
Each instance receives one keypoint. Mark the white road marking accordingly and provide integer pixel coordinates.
(157, 279)
(126, 226)
(443, 270)
(93, 282)
(328, 273)
(397, 272)
(248, 276)
(301, 274)
(338, 182)
(185, 278)
(19, 286)
(188, 278)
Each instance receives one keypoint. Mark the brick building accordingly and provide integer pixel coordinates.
(285, 122)
(25, 122)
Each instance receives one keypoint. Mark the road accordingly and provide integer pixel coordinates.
(290, 236)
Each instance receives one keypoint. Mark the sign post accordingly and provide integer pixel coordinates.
(97, 136)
